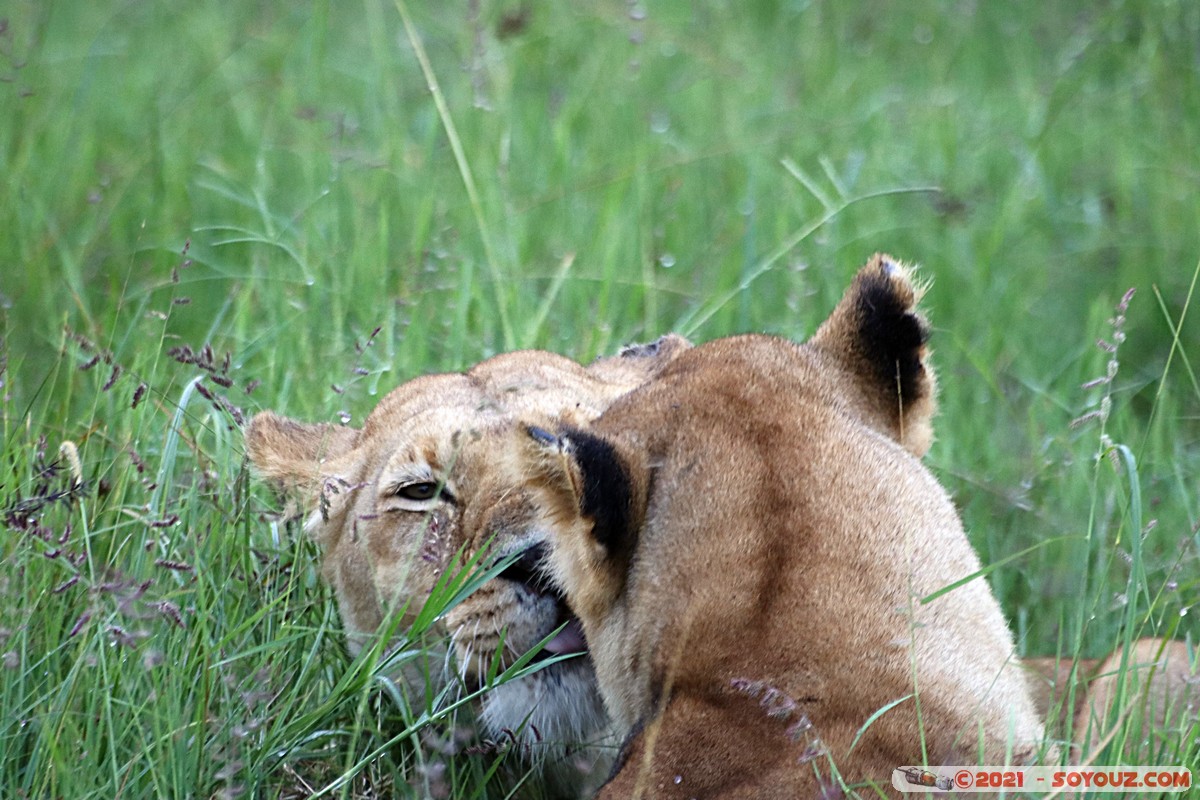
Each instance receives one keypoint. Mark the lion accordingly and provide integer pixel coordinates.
(382, 503)
(777, 595)
(1154, 685)
(1162, 690)
(430, 475)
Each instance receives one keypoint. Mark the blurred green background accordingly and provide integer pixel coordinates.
(275, 181)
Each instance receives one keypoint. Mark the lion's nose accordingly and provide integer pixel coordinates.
(527, 569)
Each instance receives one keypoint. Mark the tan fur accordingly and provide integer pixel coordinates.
(748, 538)
(1058, 686)
(383, 550)
(1161, 693)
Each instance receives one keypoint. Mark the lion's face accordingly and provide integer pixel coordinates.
(390, 504)
(431, 495)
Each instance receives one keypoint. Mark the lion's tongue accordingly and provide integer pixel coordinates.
(569, 640)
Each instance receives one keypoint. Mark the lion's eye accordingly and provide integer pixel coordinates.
(426, 490)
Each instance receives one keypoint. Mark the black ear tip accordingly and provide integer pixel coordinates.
(542, 436)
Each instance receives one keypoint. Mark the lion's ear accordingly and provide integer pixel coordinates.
(292, 452)
(879, 336)
(636, 364)
(593, 498)
(583, 476)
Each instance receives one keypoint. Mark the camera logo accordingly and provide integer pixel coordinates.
(916, 776)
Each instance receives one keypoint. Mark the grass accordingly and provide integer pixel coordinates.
(215, 208)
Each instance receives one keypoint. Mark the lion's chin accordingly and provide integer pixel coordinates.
(556, 717)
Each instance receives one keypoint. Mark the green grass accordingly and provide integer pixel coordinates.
(276, 182)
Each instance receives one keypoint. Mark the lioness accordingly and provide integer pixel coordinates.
(386, 535)
(749, 540)
(383, 503)
(1161, 693)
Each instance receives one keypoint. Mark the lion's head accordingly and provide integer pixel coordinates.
(391, 503)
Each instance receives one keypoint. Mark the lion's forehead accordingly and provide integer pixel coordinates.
(432, 439)
(416, 397)
(507, 383)
(526, 367)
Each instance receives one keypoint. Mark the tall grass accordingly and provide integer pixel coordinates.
(214, 208)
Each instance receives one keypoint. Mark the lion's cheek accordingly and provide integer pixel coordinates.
(406, 558)
(581, 564)
(498, 617)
